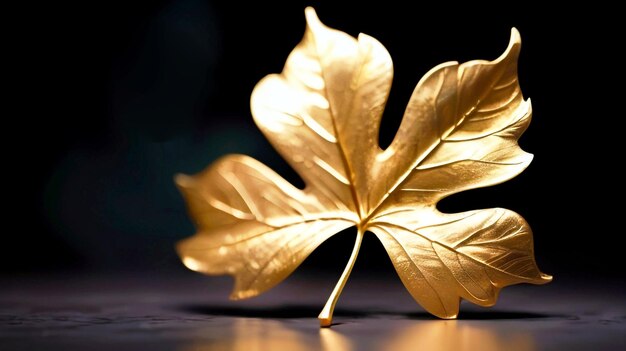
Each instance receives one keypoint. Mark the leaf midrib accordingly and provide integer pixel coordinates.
(435, 145)
(342, 152)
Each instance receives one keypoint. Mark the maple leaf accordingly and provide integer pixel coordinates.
(322, 114)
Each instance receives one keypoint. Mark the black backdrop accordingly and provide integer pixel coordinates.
(113, 98)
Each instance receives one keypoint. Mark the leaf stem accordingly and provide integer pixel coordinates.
(326, 316)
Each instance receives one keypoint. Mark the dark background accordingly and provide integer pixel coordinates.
(111, 99)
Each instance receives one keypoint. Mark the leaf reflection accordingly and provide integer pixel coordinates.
(256, 334)
(457, 336)
(332, 340)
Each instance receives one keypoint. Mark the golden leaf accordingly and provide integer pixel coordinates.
(322, 114)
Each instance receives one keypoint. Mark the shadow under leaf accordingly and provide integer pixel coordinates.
(491, 315)
(278, 312)
(304, 311)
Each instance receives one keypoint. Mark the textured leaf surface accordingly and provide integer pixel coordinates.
(322, 114)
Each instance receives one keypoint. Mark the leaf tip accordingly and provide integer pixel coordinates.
(190, 263)
(528, 158)
(515, 43)
(449, 316)
(234, 296)
(311, 17)
(515, 36)
(242, 294)
(511, 53)
(545, 278)
(182, 180)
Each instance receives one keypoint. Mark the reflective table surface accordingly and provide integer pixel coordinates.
(190, 312)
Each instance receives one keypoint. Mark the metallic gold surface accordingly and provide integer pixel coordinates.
(322, 114)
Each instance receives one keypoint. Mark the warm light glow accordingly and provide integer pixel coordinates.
(456, 336)
(252, 334)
